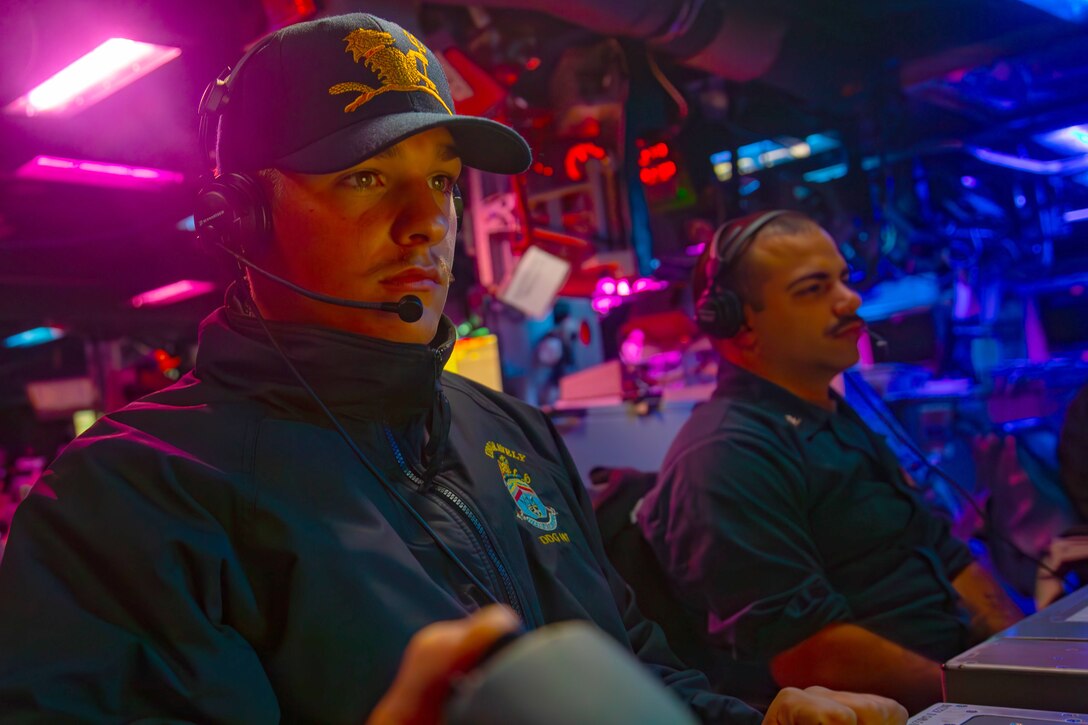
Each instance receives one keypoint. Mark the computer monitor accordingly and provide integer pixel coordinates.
(1063, 315)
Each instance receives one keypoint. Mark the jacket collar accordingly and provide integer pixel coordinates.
(356, 376)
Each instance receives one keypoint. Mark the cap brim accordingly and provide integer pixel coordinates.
(481, 143)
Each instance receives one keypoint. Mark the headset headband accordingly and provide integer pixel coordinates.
(215, 99)
(738, 237)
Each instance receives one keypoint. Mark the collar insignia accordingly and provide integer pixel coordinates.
(530, 508)
(395, 69)
(793, 420)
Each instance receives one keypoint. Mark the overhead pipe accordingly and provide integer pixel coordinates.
(736, 40)
(736, 43)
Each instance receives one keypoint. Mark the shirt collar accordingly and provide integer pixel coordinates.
(774, 400)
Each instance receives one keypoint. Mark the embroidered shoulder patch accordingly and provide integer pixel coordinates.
(530, 508)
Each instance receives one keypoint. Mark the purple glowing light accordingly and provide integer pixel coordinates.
(169, 294)
(969, 182)
(611, 293)
(632, 347)
(1070, 140)
(602, 305)
(1076, 215)
(650, 284)
(1051, 167)
(695, 249)
(96, 173)
(102, 72)
(963, 298)
(665, 360)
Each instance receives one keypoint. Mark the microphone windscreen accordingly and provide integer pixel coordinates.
(569, 673)
(410, 308)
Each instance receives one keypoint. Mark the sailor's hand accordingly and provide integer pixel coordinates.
(435, 656)
(821, 706)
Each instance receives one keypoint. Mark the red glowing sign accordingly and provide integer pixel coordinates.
(281, 13)
(578, 155)
(647, 156)
(165, 360)
(654, 164)
(659, 174)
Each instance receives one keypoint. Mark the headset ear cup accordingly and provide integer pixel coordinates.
(719, 313)
(707, 314)
(232, 211)
(732, 316)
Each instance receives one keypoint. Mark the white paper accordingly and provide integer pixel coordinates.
(535, 283)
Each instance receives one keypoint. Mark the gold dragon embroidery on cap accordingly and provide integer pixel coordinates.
(396, 70)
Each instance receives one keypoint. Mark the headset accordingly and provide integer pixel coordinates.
(719, 312)
(232, 213)
(231, 209)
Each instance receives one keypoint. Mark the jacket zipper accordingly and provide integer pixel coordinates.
(439, 359)
(469, 515)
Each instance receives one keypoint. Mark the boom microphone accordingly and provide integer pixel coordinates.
(877, 339)
(408, 308)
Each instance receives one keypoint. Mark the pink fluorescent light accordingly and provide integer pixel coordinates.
(175, 292)
(95, 173)
(105, 70)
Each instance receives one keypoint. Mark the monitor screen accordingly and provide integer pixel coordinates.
(1064, 318)
(909, 337)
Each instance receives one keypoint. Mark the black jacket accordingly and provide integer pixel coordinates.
(216, 552)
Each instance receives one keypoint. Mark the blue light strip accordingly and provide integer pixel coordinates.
(772, 152)
(895, 296)
(827, 173)
(1073, 10)
(34, 336)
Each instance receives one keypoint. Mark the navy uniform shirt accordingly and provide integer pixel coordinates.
(777, 517)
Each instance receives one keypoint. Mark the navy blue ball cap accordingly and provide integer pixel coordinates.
(324, 95)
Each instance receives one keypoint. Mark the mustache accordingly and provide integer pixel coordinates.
(845, 322)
